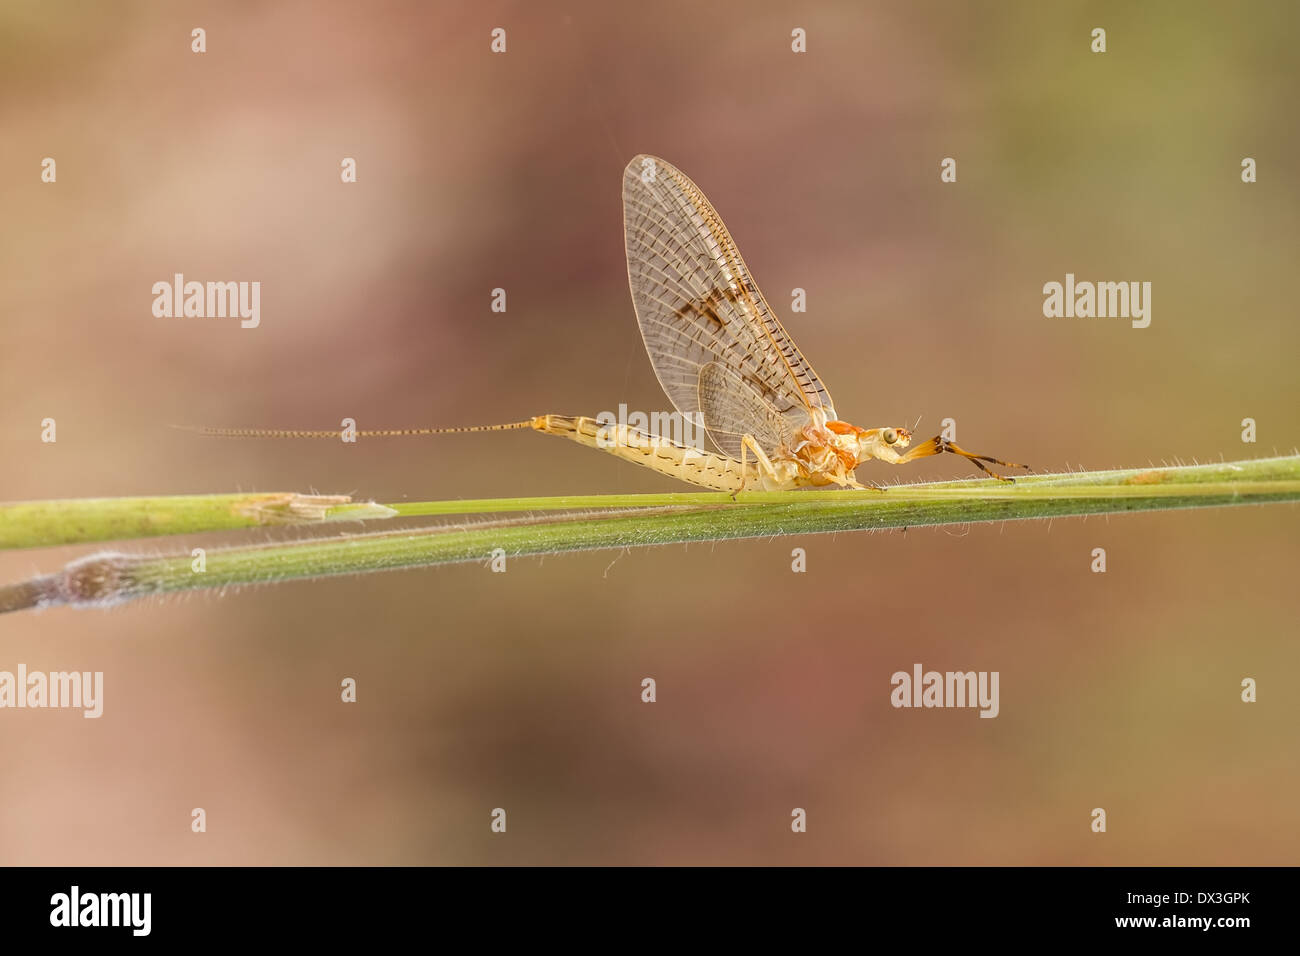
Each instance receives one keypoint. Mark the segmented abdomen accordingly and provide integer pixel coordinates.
(702, 468)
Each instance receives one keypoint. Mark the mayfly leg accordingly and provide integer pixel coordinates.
(938, 445)
(749, 444)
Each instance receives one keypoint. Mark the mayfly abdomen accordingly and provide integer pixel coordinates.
(692, 465)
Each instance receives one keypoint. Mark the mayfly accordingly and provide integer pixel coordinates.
(722, 357)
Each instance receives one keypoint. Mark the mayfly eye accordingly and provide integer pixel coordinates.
(890, 436)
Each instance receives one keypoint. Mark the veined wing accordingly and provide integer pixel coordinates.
(732, 410)
(696, 301)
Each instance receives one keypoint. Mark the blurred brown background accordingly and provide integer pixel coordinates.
(481, 690)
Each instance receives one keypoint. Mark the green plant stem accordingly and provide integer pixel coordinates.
(104, 579)
(41, 524)
(34, 524)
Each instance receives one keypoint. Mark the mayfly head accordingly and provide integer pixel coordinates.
(880, 442)
(898, 437)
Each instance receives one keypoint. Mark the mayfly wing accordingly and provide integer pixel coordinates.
(732, 410)
(696, 301)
